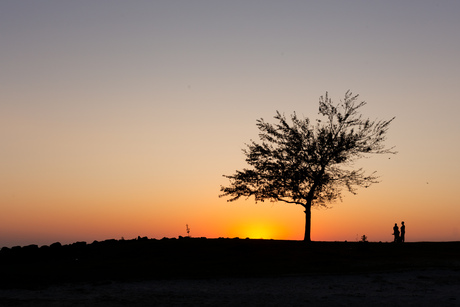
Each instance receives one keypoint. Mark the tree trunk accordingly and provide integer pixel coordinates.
(307, 224)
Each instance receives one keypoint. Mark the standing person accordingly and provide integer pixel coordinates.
(403, 232)
(396, 232)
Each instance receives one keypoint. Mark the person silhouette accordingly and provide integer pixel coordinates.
(396, 233)
(403, 232)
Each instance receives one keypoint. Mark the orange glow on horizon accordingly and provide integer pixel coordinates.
(259, 230)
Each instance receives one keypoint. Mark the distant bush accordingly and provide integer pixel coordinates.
(30, 247)
(56, 245)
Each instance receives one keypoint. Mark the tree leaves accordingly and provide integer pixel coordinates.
(309, 165)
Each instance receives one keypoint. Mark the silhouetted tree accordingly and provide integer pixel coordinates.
(308, 164)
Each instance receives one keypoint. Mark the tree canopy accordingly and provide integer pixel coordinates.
(310, 163)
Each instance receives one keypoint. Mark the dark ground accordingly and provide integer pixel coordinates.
(142, 259)
(231, 272)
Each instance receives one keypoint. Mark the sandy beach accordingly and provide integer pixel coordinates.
(407, 288)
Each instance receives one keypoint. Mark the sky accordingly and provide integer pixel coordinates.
(118, 119)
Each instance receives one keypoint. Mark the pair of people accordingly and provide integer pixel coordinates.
(399, 236)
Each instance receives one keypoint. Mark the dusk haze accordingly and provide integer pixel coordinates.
(118, 119)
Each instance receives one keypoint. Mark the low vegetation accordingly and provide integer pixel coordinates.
(143, 259)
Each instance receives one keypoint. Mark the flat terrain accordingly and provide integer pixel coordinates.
(191, 271)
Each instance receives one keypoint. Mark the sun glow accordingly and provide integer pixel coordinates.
(257, 231)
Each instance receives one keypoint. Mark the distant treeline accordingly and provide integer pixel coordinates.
(72, 251)
(34, 247)
(112, 260)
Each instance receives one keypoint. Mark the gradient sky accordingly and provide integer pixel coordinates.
(118, 118)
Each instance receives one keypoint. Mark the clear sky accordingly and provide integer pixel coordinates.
(119, 118)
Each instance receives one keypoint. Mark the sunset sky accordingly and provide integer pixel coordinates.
(119, 118)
